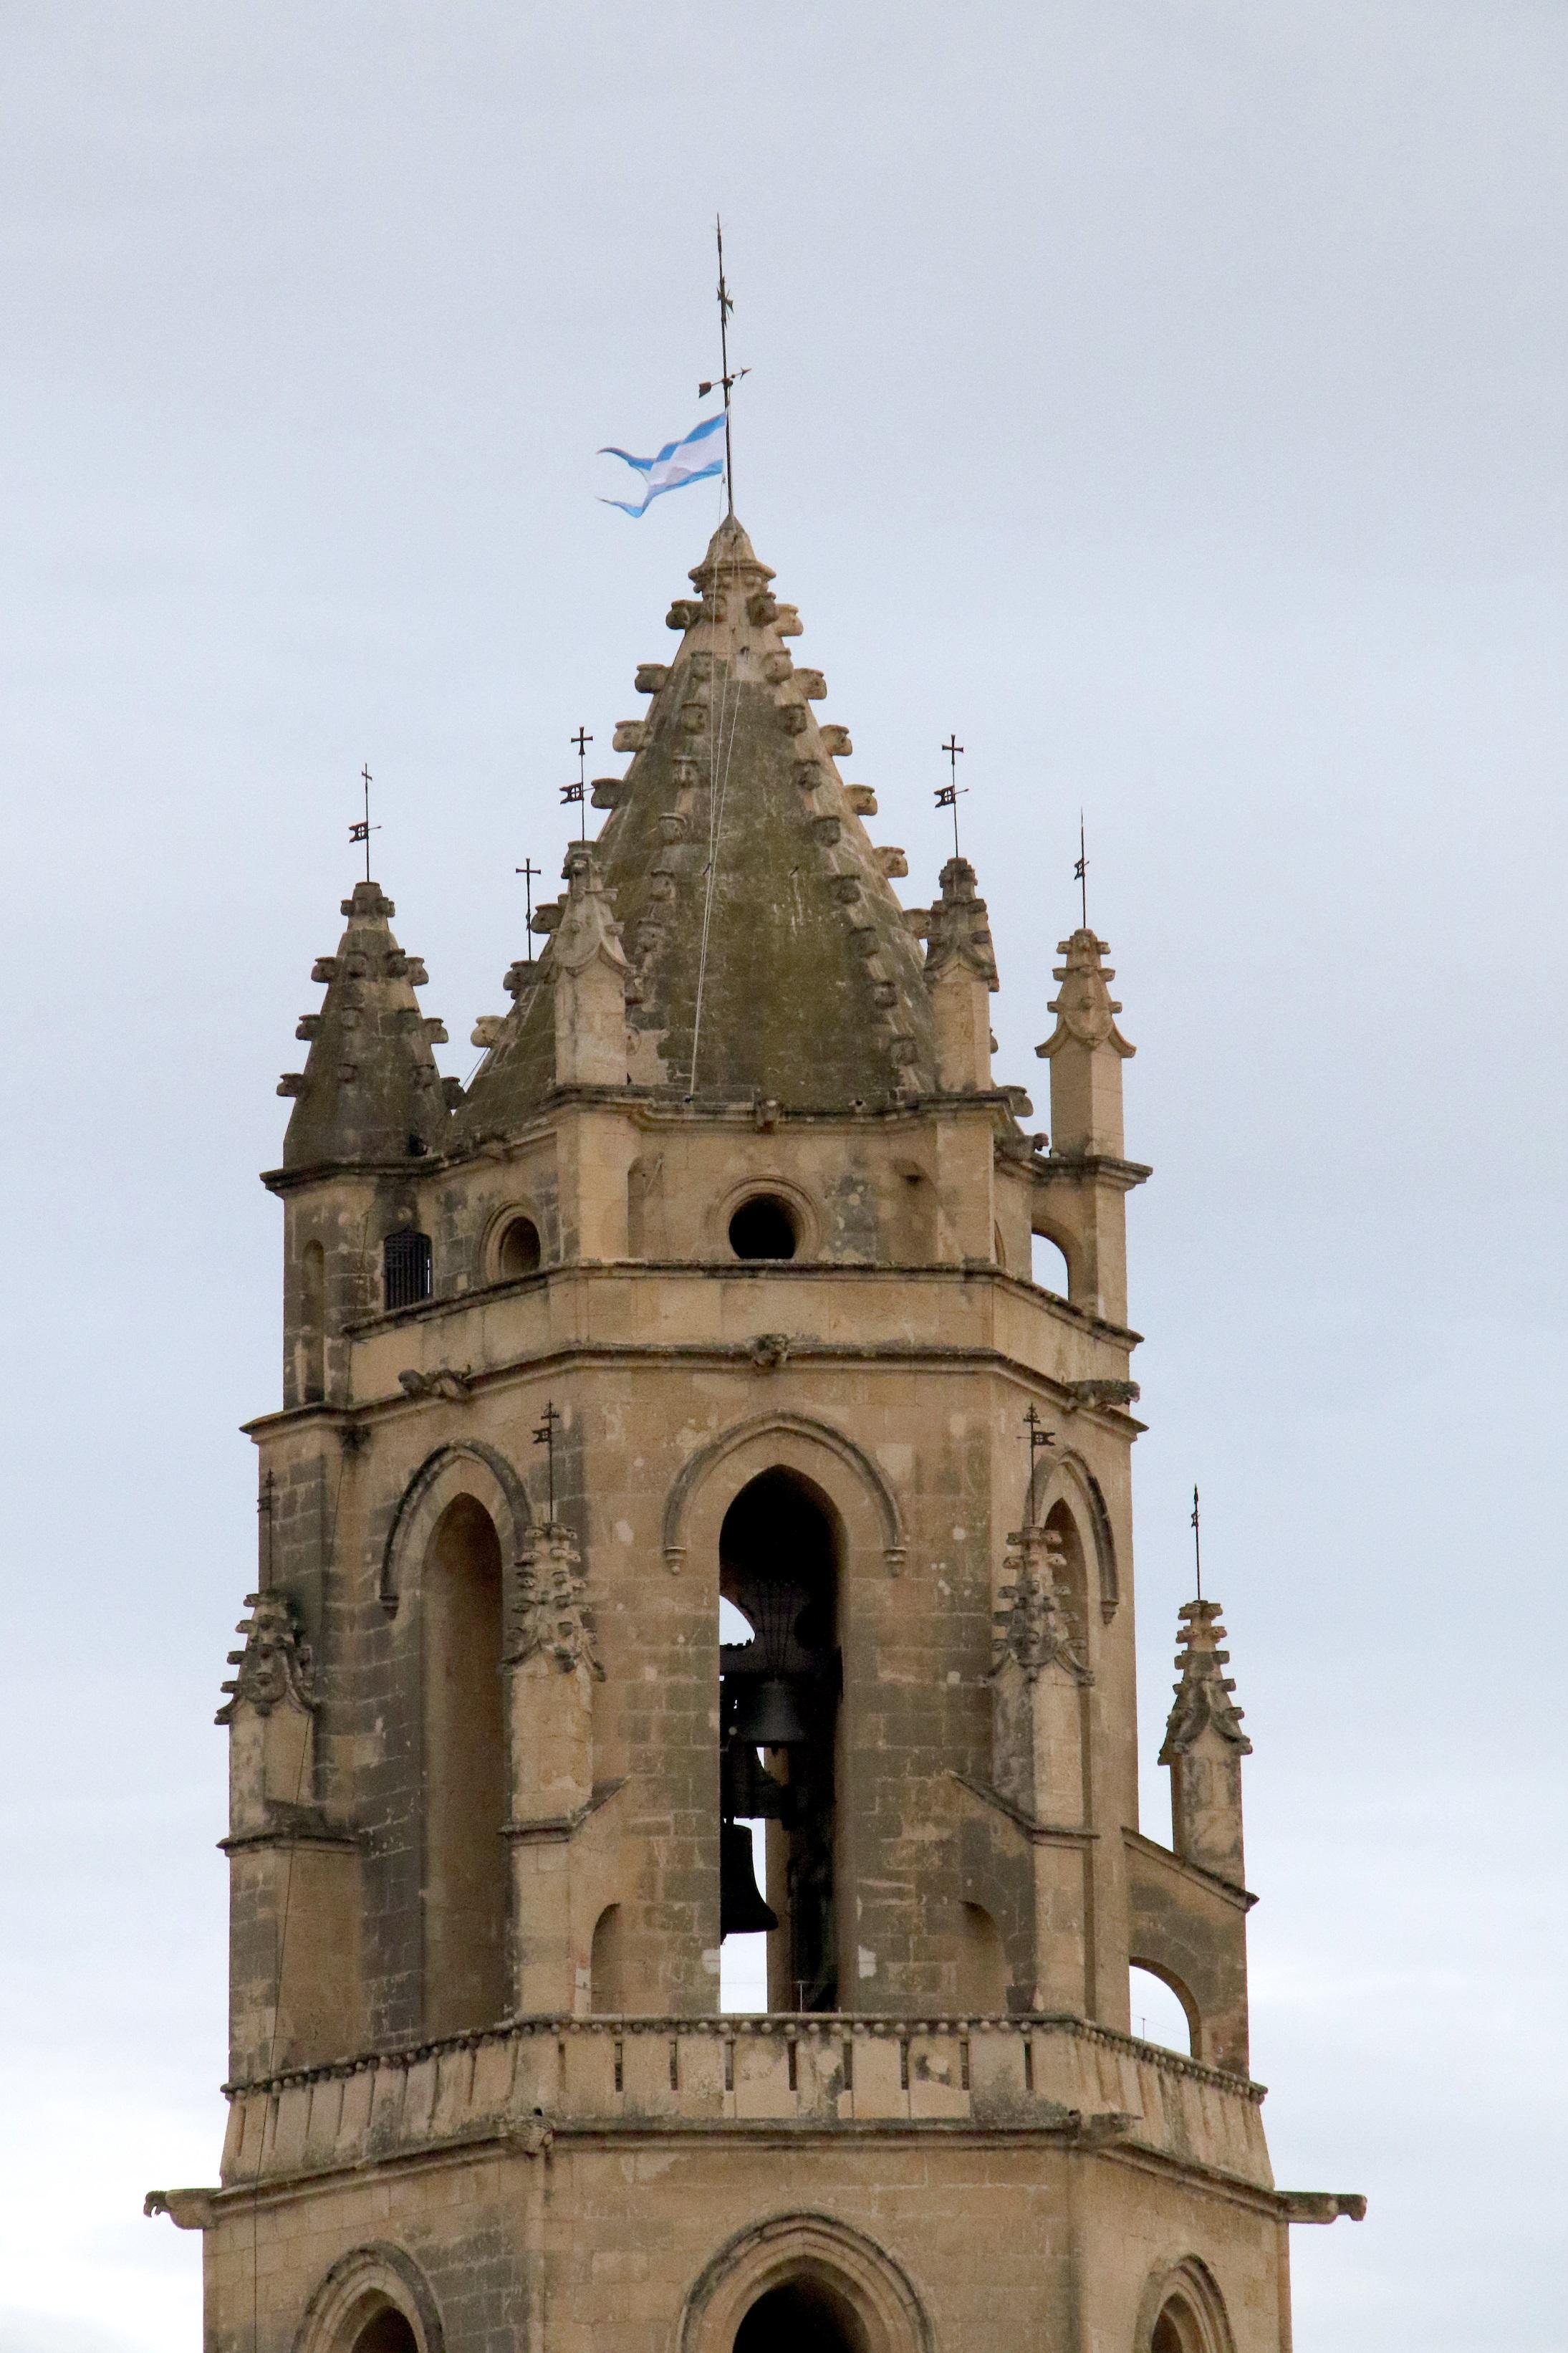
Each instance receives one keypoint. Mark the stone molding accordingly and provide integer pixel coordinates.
(1065, 1477)
(376, 2270)
(706, 1459)
(412, 1522)
(818, 2246)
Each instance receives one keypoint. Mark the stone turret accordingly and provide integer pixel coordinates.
(1084, 1184)
(960, 974)
(1204, 1746)
(370, 1091)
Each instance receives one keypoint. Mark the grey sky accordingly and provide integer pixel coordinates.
(1168, 395)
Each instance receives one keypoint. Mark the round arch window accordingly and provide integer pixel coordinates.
(763, 1227)
(519, 1251)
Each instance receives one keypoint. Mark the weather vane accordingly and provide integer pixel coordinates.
(725, 379)
(1039, 1437)
(578, 793)
(1197, 1547)
(545, 1436)
(948, 795)
(1080, 874)
(363, 829)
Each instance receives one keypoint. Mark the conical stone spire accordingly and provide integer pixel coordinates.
(769, 955)
(370, 1091)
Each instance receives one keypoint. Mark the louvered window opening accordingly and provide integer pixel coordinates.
(406, 1267)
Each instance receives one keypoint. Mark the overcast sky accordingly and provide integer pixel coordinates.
(1169, 395)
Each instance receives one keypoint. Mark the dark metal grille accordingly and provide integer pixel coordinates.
(405, 1267)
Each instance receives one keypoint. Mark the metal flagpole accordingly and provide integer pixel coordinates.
(725, 307)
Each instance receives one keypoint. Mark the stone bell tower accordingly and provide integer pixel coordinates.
(715, 1285)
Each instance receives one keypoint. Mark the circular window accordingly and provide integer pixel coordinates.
(763, 1227)
(519, 1251)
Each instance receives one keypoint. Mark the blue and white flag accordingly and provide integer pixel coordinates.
(697, 458)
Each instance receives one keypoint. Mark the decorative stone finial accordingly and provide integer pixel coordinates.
(1034, 1629)
(959, 930)
(1204, 1746)
(588, 970)
(960, 974)
(554, 1618)
(1203, 1696)
(277, 1662)
(587, 929)
(1086, 1051)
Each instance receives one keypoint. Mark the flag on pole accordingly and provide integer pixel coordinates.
(697, 458)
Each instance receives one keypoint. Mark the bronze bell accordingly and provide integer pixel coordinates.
(766, 1715)
(742, 1909)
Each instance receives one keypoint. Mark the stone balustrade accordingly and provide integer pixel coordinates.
(539, 2078)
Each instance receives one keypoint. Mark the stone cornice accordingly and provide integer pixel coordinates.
(350, 1422)
(780, 2026)
(752, 1270)
(656, 1108)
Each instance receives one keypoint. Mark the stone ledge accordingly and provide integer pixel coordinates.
(811, 2079)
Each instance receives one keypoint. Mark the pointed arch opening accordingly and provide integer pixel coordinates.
(374, 2299)
(386, 2331)
(466, 1795)
(800, 2281)
(1184, 2311)
(779, 1553)
(804, 2315)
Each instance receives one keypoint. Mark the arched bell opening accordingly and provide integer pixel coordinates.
(778, 1562)
(805, 2315)
(466, 1795)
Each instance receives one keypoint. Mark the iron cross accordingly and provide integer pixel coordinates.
(1080, 874)
(530, 874)
(1038, 1436)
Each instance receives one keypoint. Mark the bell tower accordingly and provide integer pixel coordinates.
(713, 1290)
